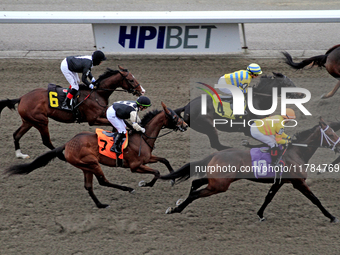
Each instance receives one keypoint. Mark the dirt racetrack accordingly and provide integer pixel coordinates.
(50, 212)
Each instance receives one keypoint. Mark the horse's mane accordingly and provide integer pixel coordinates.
(108, 73)
(331, 49)
(266, 80)
(149, 116)
(303, 135)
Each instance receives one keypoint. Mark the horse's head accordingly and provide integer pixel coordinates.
(323, 135)
(174, 121)
(130, 84)
(329, 138)
(279, 81)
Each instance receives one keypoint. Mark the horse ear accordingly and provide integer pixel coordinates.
(278, 75)
(322, 122)
(165, 108)
(122, 68)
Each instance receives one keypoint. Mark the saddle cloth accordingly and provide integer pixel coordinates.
(261, 160)
(225, 110)
(105, 142)
(57, 94)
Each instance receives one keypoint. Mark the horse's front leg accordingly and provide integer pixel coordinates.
(155, 159)
(143, 169)
(271, 193)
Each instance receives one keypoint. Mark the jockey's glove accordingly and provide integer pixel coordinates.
(138, 127)
(91, 86)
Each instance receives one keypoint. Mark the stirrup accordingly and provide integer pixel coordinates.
(115, 149)
(65, 106)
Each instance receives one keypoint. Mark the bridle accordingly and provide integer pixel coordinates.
(175, 118)
(132, 88)
(325, 137)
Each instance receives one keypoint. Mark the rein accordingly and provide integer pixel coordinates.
(142, 137)
(323, 136)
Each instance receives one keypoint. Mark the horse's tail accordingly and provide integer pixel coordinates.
(10, 103)
(40, 161)
(183, 173)
(319, 60)
(189, 170)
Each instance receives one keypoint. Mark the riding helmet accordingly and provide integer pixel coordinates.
(97, 57)
(143, 101)
(254, 69)
(290, 114)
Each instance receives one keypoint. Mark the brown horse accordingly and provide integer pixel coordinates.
(295, 157)
(330, 60)
(34, 106)
(82, 151)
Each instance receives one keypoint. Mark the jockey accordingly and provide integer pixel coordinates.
(270, 131)
(121, 110)
(240, 79)
(73, 65)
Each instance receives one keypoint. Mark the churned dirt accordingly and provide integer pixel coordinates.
(50, 212)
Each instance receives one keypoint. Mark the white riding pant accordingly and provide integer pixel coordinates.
(118, 123)
(221, 80)
(267, 139)
(71, 77)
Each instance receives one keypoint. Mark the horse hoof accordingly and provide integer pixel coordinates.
(172, 183)
(103, 206)
(263, 219)
(245, 143)
(142, 184)
(335, 220)
(132, 191)
(18, 154)
(179, 201)
(168, 211)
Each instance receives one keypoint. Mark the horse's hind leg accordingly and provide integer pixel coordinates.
(195, 194)
(102, 181)
(332, 92)
(88, 179)
(23, 129)
(271, 193)
(301, 185)
(45, 135)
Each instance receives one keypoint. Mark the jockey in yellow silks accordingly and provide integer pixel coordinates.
(270, 131)
(240, 79)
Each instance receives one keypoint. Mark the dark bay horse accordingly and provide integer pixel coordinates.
(34, 106)
(262, 101)
(217, 182)
(330, 60)
(82, 151)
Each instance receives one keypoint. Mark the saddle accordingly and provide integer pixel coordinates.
(57, 94)
(225, 110)
(105, 142)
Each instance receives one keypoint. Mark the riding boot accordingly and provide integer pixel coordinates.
(275, 154)
(118, 143)
(66, 105)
